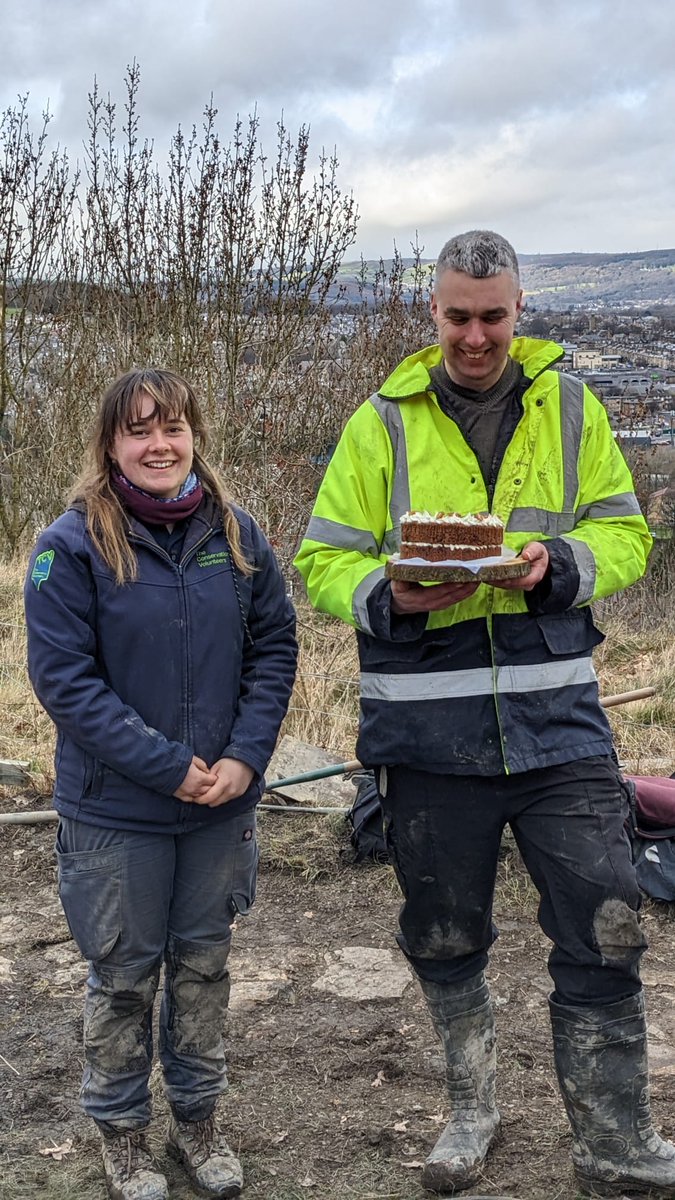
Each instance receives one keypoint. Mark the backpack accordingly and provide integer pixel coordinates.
(652, 833)
(365, 821)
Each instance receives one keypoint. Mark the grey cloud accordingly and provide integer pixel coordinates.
(512, 69)
(286, 57)
(444, 112)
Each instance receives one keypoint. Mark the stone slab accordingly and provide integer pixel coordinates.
(293, 757)
(13, 773)
(362, 973)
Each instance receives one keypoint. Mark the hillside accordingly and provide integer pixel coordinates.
(631, 280)
(603, 280)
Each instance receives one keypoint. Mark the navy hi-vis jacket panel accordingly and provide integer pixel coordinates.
(487, 685)
(140, 678)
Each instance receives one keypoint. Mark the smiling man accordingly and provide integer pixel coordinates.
(480, 706)
(475, 319)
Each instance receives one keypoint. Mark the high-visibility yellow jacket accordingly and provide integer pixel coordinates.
(488, 685)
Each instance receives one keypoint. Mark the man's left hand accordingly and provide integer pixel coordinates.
(537, 554)
(233, 779)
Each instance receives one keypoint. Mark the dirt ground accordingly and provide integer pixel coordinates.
(330, 1098)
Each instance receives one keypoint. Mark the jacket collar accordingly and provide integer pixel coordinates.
(411, 377)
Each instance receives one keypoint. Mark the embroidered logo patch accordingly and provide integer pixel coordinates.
(248, 834)
(204, 559)
(41, 567)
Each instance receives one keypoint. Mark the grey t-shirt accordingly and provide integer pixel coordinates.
(487, 419)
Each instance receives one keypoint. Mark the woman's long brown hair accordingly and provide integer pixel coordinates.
(107, 522)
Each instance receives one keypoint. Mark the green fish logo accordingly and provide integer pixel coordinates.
(42, 567)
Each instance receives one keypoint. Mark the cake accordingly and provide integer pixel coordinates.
(437, 537)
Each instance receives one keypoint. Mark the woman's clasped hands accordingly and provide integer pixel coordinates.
(216, 785)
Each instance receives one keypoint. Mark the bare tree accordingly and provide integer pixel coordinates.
(39, 278)
(220, 262)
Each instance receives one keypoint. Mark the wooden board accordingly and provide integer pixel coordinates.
(511, 568)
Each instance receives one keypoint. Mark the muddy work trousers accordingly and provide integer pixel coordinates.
(135, 901)
(444, 833)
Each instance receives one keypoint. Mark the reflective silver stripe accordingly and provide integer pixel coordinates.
(343, 537)
(585, 560)
(540, 520)
(541, 677)
(454, 685)
(390, 545)
(433, 685)
(572, 424)
(360, 599)
(624, 504)
(389, 413)
(554, 524)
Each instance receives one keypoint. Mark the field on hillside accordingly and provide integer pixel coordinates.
(335, 1093)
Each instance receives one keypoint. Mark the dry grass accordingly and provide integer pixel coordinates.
(312, 846)
(632, 658)
(324, 708)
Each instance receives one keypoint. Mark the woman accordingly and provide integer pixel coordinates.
(162, 644)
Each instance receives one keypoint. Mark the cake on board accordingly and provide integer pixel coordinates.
(435, 547)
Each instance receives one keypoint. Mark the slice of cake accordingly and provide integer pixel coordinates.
(436, 537)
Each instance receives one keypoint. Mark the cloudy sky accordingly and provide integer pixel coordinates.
(551, 121)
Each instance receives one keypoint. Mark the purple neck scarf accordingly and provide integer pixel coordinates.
(158, 510)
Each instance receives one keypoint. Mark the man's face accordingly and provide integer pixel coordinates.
(475, 319)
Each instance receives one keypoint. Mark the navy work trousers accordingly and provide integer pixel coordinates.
(443, 834)
(134, 901)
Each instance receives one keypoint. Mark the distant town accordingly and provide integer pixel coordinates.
(627, 359)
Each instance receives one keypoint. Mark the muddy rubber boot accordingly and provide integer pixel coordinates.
(601, 1062)
(130, 1171)
(206, 1157)
(463, 1019)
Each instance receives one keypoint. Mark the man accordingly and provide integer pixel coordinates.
(480, 708)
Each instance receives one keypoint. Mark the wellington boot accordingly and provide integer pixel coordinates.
(601, 1062)
(462, 1017)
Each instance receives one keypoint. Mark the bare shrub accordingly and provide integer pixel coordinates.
(39, 281)
(218, 263)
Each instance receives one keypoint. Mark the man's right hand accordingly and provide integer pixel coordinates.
(414, 598)
(197, 781)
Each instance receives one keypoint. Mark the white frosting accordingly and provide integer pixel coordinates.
(426, 518)
(453, 546)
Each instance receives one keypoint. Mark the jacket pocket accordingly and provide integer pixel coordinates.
(569, 632)
(93, 777)
(90, 889)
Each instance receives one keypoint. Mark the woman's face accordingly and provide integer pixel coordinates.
(154, 454)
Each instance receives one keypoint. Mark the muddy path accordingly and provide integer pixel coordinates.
(336, 1081)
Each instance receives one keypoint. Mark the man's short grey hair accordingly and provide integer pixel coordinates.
(478, 253)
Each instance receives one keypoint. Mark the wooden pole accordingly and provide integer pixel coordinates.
(625, 697)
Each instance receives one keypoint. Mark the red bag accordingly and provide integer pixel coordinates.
(654, 806)
(652, 834)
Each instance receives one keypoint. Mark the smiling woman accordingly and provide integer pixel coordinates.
(154, 451)
(146, 455)
(161, 643)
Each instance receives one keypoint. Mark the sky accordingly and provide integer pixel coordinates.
(552, 122)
